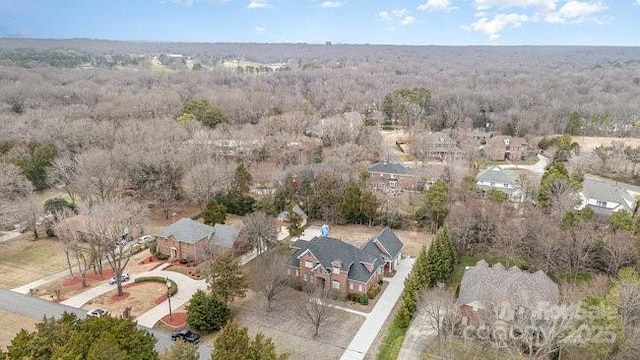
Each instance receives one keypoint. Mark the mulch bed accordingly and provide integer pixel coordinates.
(150, 259)
(160, 299)
(115, 297)
(107, 273)
(178, 320)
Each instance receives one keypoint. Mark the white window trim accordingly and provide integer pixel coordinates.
(336, 270)
(335, 284)
(308, 264)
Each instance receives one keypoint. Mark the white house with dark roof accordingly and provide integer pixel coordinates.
(606, 196)
(187, 239)
(328, 262)
(505, 292)
(497, 178)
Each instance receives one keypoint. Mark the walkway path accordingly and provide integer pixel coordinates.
(24, 289)
(361, 343)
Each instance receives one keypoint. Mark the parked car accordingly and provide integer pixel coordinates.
(186, 335)
(96, 313)
(124, 277)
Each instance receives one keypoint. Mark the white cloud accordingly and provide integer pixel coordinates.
(541, 4)
(384, 15)
(407, 20)
(399, 16)
(332, 4)
(574, 12)
(493, 27)
(258, 4)
(259, 29)
(438, 5)
(637, 2)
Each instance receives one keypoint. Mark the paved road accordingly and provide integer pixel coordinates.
(361, 343)
(37, 308)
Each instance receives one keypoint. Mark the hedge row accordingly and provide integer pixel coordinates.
(173, 288)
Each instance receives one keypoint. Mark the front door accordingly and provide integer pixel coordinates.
(174, 252)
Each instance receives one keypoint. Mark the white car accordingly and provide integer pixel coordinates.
(96, 313)
(124, 277)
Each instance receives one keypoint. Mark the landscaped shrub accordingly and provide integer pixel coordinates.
(353, 297)
(374, 291)
(162, 256)
(363, 299)
(153, 248)
(50, 232)
(173, 287)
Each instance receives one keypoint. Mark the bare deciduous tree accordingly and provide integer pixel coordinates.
(315, 306)
(269, 278)
(260, 231)
(69, 231)
(110, 223)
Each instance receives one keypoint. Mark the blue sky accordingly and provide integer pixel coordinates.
(412, 22)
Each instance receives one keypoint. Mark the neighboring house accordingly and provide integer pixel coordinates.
(503, 148)
(283, 217)
(190, 240)
(437, 145)
(500, 179)
(607, 196)
(505, 293)
(392, 175)
(335, 264)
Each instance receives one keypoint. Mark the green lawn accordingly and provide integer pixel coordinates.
(392, 343)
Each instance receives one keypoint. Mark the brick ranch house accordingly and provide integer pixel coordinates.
(190, 240)
(329, 262)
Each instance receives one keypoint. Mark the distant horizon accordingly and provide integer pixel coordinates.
(375, 22)
(311, 43)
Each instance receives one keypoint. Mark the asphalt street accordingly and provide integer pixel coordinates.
(37, 308)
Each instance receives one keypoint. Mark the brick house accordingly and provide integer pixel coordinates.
(503, 148)
(190, 240)
(329, 262)
(390, 175)
(505, 293)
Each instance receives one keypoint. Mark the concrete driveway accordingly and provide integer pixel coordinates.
(368, 332)
(537, 168)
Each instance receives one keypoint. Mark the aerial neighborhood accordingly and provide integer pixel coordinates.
(300, 201)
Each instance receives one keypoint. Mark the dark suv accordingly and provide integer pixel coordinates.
(185, 335)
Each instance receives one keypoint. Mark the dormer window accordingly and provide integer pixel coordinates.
(336, 270)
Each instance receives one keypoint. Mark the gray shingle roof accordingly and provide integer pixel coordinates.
(390, 168)
(296, 209)
(327, 250)
(494, 284)
(496, 174)
(388, 240)
(187, 231)
(224, 235)
(602, 189)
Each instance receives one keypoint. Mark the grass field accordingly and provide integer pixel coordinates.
(23, 260)
(11, 325)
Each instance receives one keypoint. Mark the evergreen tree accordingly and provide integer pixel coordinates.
(181, 350)
(242, 179)
(436, 204)
(234, 342)
(214, 213)
(226, 278)
(205, 312)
